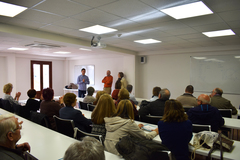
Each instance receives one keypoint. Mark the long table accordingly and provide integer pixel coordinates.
(234, 155)
(47, 144)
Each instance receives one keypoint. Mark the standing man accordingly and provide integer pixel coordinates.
(107, 80)
(82, 82)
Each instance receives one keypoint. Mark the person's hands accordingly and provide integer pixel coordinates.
(61, 100)
(41, 97)
(156, 130)
(83, 80)
(140, 125)
(24, 146)
(83, 115)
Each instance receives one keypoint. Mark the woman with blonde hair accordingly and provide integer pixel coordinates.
(175, 130)
(7, 89)
(98, 95)
(104, 108)
(122, 124)
(124, 94)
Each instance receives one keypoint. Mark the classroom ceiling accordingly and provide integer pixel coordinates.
(58, 22)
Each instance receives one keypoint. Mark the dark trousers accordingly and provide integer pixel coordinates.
(81, 93)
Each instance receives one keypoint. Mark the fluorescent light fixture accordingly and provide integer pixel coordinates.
(213, 60)
(236, 56)
(10, 10)
(84, 49)
(97, 29)
(199, 57)
(147, 41)
(62, 52)
(188, 10)
(18, 49)
(227, 32)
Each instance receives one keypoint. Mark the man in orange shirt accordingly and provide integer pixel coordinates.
(108, 82)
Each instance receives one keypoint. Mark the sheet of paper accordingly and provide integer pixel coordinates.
(149, 127)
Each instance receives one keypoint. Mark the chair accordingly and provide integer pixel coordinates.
(6, 105)
(91, 107)
(83, 105)
(144, 103)
(199, 127)
(187, 108)
(78, 134)
(64, 126)
(163, 155)
(150, 119)
(226, 112)
(40, 119)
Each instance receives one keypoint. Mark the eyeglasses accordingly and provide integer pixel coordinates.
(19, 127)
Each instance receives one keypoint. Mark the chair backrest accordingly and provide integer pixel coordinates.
(150, 119)
(163, 155)
(198, 128)
(40, 119)
(226, 112)
(64, 126)
(187, 108)
(83, 105)
(144, 103)
(91, 107)
(78, 134)
(7, 105)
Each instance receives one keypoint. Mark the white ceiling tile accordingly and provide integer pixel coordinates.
(94, 3)
(55, 29)
(121, 24)
(62, 7)
(127, 8)
(24, 3)
(181, 31)
(223, 5)
(230, 15)
(72, 23)
(96, 16)
(191, 36)
(163, 4)
(168, 25)
(38, 16)
(25, 23)
(212, 27)
(234, 24)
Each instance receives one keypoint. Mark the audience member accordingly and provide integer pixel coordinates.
(89, 98)
(155, 93)
(98, 95)
(205, 114)
(187, 99)
(32, 104)
(7, 89)
(122, 124)
(221, 103)
(116, 91)
(175, 130)
(49, 107)
(131, 96)
(9, 136)
(156, 108)
(87, 149)
(68, 112)
(104, 108)
(82, 82)
(122, 80)
(107, 80)
(124, 94)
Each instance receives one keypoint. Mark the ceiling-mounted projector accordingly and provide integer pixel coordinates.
(97, 43)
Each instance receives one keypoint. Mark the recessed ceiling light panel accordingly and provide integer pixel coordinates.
(85, 49)
(188, 10)
(18, 49)
(147, 41)
(10, 10)
(97, 29)
(62, 52)
(227, 32)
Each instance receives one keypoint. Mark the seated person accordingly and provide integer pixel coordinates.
(155, 92)
(187, 99)
(104, 108)
(116, 90)
(10, 133)
(205, 114)
(221, 103)
(87, 149)
(89, 98)
(131, 96)
(175, 130)
(49, 107)
(124, 94)
(98, 95)
(7, 89)
(156, 108)
(69, 112)
(122, 124)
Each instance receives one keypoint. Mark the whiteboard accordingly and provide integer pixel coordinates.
(209, 72)
(89, 72)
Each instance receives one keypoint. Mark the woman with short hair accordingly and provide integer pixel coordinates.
(7, 89)
(175, 130)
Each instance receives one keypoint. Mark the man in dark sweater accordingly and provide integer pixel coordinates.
(156, 108)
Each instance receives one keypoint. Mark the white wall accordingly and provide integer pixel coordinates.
(169, 71)
(3, 77)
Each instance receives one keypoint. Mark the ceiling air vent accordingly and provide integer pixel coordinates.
(43, 45)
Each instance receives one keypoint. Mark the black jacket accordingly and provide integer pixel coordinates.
(155, 108)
